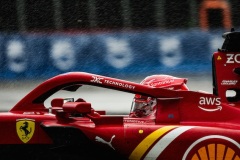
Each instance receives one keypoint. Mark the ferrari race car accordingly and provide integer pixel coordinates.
(167, 121)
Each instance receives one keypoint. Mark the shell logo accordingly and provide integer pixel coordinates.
(224, 148)
(215, 151)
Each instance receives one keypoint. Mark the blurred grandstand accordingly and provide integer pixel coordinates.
(120, 38)
(60, 15)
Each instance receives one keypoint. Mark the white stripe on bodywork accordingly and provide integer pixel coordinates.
(209, 137)
(160, 146)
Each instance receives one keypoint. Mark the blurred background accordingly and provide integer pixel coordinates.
(92, 15)
(127, 39)
(42, 38)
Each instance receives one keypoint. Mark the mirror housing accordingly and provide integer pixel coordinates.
(57, 102)
(77, 107)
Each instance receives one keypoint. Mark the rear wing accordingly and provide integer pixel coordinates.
(226, 69)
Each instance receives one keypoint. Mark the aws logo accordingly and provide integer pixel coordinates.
(210, 104)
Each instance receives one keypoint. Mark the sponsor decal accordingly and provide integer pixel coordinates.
(229, 82)
(211, 110)
(161, 83)
(25, 129)
(137, 121)
(233, 58)
(217, 151)
(97, 79)
(120, 84)
(101, 80)
(219, 58)
(28, 113)
(210, 101)
(99, 139)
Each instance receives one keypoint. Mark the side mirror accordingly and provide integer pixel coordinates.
(77, 107)
(57, 102)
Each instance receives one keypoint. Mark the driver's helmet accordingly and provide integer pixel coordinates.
(144, 106)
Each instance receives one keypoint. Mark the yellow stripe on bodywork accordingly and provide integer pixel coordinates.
(142, 147)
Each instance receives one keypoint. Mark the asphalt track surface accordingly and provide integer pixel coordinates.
(113, 102)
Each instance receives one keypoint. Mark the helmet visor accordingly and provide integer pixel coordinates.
(142, 107)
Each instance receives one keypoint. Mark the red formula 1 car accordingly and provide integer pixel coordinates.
(167, 120)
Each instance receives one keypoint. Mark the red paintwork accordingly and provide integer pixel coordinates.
(195, 124)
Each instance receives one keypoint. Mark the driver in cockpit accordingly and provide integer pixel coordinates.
(143, 106)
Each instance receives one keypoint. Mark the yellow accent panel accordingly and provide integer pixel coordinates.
(211, 151)
(143, 146)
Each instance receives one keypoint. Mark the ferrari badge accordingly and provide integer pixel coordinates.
(25, 129)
